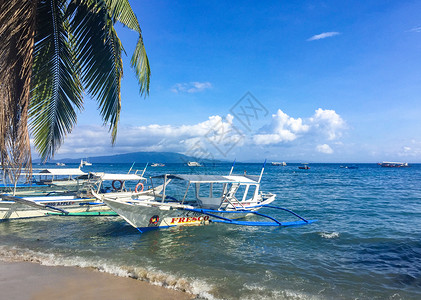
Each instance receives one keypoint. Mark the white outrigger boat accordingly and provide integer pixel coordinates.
(80, 203)
(216, 200)
(45, 181)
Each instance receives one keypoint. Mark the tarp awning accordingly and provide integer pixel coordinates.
(62, 172)
(122, 177)
(198, 178)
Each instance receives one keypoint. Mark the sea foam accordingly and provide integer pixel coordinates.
(332, 235)
(198, 288)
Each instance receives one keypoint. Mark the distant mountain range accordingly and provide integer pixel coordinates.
(138, 157)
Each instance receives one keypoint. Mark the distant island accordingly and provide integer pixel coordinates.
(138, 157)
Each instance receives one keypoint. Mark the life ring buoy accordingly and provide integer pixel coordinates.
(114, 187)
(137, 187)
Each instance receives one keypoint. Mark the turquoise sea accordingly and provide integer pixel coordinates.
(366, 244)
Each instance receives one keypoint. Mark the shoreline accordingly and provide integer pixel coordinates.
(29, 280)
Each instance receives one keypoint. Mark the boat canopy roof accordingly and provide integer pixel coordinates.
(198, 178)
(67, 171)
(122, 177)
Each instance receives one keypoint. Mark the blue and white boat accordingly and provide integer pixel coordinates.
(217, 199)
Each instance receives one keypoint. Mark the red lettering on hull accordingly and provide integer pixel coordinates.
(189, 219)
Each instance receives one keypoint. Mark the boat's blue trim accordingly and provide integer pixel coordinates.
(146, 229)
(58, 209)
(21, 185)
(91, 203)
(252, 223)
(220, 219)
(53, 200)
(285, 209)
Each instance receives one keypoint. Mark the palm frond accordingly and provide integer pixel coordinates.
(17, 29)
(98, 50)
(122, 12)
(140, 63)
(56, 88)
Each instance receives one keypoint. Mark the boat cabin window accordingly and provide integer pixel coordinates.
(241, 191)
(209, 190)
(209, 195)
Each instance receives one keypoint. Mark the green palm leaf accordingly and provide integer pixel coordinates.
(98, 50)
(121, 11)
(56, 88)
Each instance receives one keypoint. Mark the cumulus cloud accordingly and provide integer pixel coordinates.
(212, 138)
(325, 148)
(283, 128)
(152, 137)
(191, 87)
(323, 35)
(328, 122)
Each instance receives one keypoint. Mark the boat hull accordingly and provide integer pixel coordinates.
(64, 205)
(147, 215)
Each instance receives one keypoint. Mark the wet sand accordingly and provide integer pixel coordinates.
(25, 280)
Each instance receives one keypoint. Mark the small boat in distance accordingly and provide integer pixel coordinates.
(157, 165)
(349, 167)
(305, 167)
(388, 164)
(59, 164)
(193, 164)
(275, 163)
(84, 163)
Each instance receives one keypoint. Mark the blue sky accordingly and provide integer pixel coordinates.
(335, 81)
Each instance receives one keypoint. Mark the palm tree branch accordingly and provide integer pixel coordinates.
(98, 49)
(56, 88)
(122, 12)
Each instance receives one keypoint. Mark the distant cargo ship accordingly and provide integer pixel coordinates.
(389, 164)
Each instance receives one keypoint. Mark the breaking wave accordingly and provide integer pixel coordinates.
(197, 288)
(332, 235)
(261, 293)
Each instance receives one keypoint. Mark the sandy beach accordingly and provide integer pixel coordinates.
(25, 280)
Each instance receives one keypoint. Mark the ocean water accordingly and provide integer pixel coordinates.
(366, 244)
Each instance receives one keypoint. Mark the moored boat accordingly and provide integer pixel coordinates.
(388, 164)
(283, 164)
(304, 167)
(157, 165)
(217, 199)
(76, 203)
(84, 163)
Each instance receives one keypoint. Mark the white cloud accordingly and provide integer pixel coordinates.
(328, 122)
(95, 140)
(215, 137)
(282, 129)
(416, 29)
(323, 35)
(325, 148)
(191, 87)
(324, 124)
